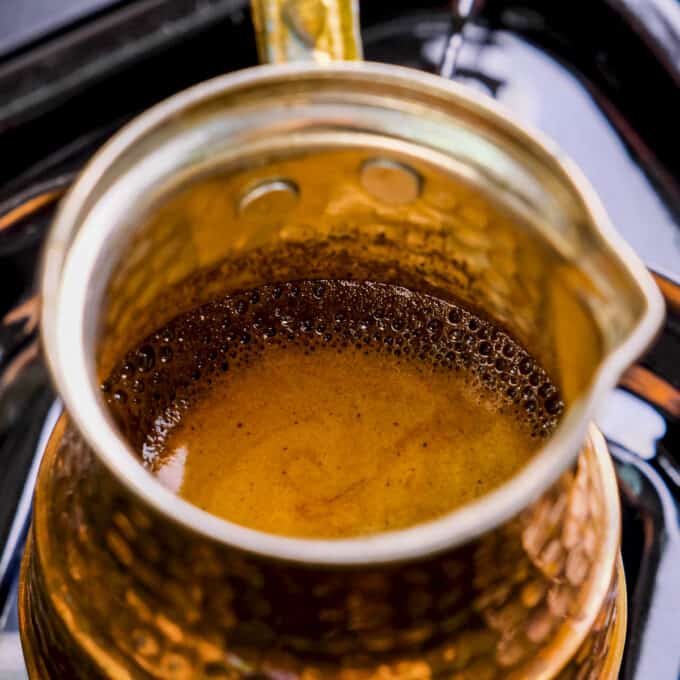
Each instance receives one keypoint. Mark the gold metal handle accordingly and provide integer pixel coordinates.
(306, 30)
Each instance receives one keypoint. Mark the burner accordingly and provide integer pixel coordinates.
(596, 87)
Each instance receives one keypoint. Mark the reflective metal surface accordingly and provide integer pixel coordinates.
(564, 36)
(111, 589)
(306, 30)
(565, 261)
(558, 277)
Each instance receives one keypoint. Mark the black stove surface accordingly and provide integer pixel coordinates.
(604, 88)
(23, 22)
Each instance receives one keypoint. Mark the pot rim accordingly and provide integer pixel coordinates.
(67, 359)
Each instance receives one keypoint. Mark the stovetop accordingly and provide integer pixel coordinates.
(599, 77)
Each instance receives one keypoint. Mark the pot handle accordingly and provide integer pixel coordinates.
(307, 30)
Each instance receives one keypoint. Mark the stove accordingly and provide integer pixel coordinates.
(601, 78)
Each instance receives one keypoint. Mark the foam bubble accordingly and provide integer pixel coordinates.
(184, 358)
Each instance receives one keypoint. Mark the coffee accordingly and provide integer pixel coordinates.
(332, 408)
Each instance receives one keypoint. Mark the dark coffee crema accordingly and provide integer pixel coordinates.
(331, 408)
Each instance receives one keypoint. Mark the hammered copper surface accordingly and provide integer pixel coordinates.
(494, 217)
(111, 589)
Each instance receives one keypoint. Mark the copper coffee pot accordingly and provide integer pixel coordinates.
(369, 166)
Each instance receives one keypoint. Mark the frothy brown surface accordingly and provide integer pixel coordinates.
(332, 408)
